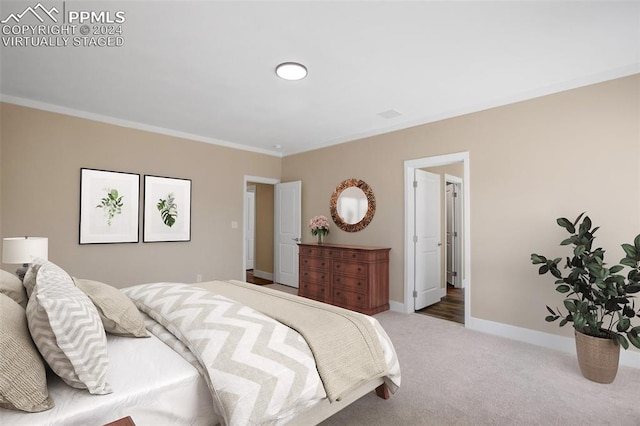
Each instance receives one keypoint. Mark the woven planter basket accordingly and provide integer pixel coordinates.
(597, 357)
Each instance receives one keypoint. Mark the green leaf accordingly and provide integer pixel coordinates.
(629, 262)
(616, 268)
(563, 288)
(543, 269)
(568, 241)
(550, 311)
(586, 225)
(634, 339)
(564, 222)
(622, 340)
(623, 324)
(551, 318)
(579, 250)
(636, 242)
(570, 305)
(563, 322)
(633, 288)
(630, 251)
(536, 259)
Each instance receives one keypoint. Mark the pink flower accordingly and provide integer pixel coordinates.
(319, 225)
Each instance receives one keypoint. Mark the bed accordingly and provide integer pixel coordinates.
(228, 352)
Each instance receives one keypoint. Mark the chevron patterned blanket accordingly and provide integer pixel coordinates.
(258, 370)
(349, 348)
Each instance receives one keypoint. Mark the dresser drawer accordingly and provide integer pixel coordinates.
(313, 291)
(348, 299)
(357, 256)
(341, 267)
(311, 251)
(314, 262)
(357, 284)
(314, 276)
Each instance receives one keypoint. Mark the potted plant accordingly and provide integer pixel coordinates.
(598, 299)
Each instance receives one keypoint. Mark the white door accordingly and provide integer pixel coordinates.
(288, 230)
(250, 223)
(428, 246)
(454, 230)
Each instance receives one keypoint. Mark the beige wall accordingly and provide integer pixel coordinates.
(42, 154)
(264, 228)
(530, 162)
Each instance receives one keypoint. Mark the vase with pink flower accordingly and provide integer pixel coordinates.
(319, 226)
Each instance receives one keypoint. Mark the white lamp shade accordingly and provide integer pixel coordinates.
(24, 249)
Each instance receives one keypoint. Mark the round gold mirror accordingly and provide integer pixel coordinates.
(352, 205)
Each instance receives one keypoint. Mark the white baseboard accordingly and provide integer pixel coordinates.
(396, 306)
(263, 275)
(628, 358)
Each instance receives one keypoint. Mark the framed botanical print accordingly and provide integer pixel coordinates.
(167, 209)
(109, 207)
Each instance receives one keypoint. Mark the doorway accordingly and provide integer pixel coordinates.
(451, 288)
(277, 228)
(259, 233)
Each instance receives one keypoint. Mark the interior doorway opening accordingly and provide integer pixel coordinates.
(277, 227)
(437, 261)
(259, 233)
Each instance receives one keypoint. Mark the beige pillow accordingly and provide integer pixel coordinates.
(23, 380)
(11, 286)
(118, 313)
(67, 331)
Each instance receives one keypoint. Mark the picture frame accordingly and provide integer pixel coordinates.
(167, 209)
(109, 207)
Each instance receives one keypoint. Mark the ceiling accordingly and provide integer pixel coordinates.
(206, 70)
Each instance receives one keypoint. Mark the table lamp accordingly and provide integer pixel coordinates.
(23, 250)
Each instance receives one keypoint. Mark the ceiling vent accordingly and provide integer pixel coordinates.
(392, 113)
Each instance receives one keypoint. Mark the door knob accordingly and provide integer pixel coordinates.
(296, 239)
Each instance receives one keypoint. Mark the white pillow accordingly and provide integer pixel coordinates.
(29, 280)
(67, 330)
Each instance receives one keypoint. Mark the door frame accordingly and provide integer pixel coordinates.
(409, 225)
(247, 179)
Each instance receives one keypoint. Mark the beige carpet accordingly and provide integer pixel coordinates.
(454, 376)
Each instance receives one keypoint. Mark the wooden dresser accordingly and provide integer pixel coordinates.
(352, 277)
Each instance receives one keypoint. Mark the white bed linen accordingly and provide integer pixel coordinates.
(151, 383)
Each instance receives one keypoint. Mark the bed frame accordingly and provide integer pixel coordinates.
(323, 410)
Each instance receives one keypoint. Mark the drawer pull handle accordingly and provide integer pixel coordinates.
(359, 269)
(337, 280)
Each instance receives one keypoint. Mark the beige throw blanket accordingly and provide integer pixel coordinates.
(344, 343)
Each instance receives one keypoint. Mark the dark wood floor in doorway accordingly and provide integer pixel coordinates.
(256, 280)
(450, 308)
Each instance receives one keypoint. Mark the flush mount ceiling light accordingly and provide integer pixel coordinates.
(291, 71)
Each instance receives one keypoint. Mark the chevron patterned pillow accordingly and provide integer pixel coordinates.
(67, 330)
(29, 280)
